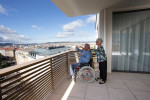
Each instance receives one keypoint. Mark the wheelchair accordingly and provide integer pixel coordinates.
(85, 72)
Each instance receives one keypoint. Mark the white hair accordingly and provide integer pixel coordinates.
(100, 40)
(88, 45)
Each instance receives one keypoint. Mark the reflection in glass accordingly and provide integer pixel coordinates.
(131, 41)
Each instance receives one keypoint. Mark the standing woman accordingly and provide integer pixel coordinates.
(102, 59)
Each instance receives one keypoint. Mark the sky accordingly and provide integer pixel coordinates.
(40, 21)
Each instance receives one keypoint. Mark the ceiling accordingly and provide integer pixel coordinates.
(84, 7)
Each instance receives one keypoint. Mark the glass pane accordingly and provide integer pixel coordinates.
(131, 41)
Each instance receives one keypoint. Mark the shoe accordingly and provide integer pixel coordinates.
(98, 78)
(102, 82)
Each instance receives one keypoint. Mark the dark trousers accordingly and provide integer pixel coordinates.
(103, 70)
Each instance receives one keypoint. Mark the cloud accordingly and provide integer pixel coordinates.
(69, 29)
(91, 19)
(3, 10)
(72, 26)
(9, 35)
(36, 27)
(5, 30)
(64, 34)
(14, 39)
(79, 36)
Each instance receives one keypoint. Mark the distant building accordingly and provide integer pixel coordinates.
(22, 55)
(31, 52)
(10, 51)
(8, 57)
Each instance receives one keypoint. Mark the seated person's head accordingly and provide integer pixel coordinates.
(87, 47)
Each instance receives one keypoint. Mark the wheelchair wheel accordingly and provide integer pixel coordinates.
(87, 74)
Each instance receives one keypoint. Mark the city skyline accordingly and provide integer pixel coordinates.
(38, 21)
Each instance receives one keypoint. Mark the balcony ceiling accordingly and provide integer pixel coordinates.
(84, 7)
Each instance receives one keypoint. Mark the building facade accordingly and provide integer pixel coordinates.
(108, 23)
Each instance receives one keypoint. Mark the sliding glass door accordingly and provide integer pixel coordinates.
(131, 41)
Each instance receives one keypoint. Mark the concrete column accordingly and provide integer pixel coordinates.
(105, 32)
(97, 29)
(101, 25)
(109, 39)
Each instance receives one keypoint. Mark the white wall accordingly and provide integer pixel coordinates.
(105, 32)
(3, 52)
(97, 29)
(109, 38)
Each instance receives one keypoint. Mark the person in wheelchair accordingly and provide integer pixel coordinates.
(90, 63)
(85, 56)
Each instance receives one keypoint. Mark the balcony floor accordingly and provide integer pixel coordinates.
(119, 86)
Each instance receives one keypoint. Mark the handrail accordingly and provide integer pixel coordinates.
(24, 65)
(19, 81)
(23, 81)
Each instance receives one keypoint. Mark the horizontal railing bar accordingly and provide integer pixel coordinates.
(20, 83)
(62, 57)
(37, 90)
(47, 89)
(56, 75)
(34, 87)
(59, 60)
(28, 84)
(45, 94)
(60, 67)
(57, 71)
(18, 96)
(24, 77)
(55, 64)
(57, 78)
(23, 72)
(15, 68)
(59, 63)
(59, 55)
(56, 82)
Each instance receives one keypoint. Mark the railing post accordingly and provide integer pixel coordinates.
(52, 73)
(67, 63)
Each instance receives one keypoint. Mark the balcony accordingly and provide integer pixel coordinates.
(46, 79)
(119, 86)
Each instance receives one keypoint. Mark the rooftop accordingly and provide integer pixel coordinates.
(47, 52)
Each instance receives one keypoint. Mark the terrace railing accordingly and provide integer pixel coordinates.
(33, 80)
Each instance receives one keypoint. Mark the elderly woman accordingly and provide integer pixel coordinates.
(102, 59)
